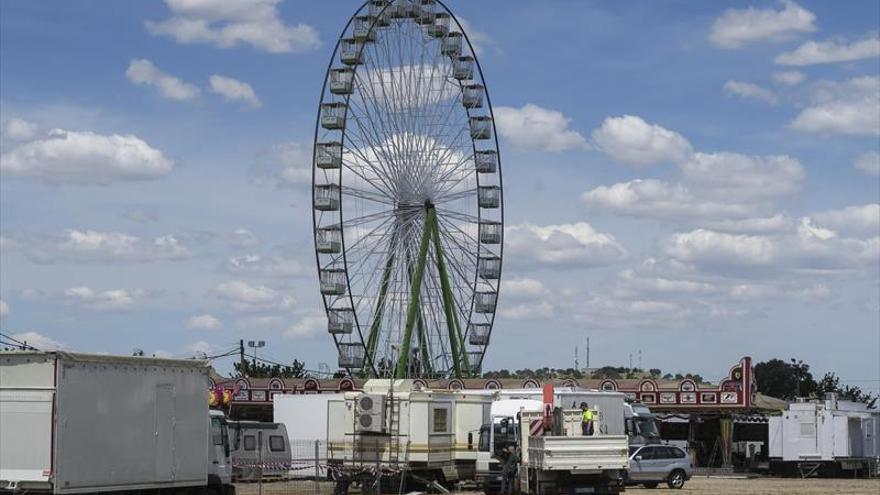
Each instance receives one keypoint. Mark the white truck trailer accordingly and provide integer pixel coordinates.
(81, 423)
(830, 437)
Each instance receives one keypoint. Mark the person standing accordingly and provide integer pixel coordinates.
(586, 419)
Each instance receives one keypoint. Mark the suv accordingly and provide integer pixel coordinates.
(650, 465)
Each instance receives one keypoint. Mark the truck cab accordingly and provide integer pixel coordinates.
(641, 426)
(219, 460)
(495, 437)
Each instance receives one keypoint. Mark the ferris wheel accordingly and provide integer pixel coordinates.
(407, 197)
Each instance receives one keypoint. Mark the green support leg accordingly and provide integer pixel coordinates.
(456, 345)
(373, 338)
(413, 310)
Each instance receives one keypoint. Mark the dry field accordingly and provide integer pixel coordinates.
(699, 485)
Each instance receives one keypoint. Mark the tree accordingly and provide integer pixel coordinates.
(655, 372)
(782, 380)
(608, 372)
(250, 369)
(830, 383)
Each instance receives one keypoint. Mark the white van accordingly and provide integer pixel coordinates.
(259, 450)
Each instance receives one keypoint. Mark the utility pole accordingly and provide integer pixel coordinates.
(640, 359)
(588, 353)
(576, 365)
(241, 360)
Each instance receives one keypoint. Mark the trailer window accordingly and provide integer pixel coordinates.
(440, 422)
(276, 443)
(808, 429)
(250, 442)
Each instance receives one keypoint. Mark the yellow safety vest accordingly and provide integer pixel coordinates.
(588, 416)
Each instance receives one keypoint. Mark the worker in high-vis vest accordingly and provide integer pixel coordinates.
(586, 419)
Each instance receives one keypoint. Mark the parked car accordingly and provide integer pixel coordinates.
(650, 465)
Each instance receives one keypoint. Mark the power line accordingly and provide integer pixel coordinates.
(21, 344)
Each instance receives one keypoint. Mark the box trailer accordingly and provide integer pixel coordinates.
(829, 437)
(80, 423)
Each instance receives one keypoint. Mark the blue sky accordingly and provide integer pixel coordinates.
(695, 180)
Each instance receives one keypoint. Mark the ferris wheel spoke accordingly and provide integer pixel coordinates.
(367, 195)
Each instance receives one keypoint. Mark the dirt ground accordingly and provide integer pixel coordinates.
(699, 485)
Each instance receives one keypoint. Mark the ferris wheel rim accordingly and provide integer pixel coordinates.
(370, 357)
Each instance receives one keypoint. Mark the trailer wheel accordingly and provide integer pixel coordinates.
(676, 479)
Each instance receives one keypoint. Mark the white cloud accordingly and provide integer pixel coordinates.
(749, 91)
(142, 72)
(736, 27)
(86, 158)
(868, 162)
(629, 139)
(20, 129)
(95, 246)
(534, 127)
(200, 348)
(479, 39)
(4, 308)
(851, 107)
(715, 186)
(243, 238)
(633, 281)
(658, 199)
(563, 245)
(706, 246)
(39, 341)
(734, 176)
(831, 51)
(809, 249)
(203, 322)
(287, 164)
(244, 297)
(110, 300)
(756, 225)
(308, 326)
(234, 90)
(789, 77)
(227, 23)
(523, 288)
(863, 219)
(525, 299)
(266, 266)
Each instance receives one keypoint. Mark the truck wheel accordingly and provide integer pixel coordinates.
(651, 485)
(676, 479)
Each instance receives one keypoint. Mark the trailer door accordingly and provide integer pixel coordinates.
(164, 432)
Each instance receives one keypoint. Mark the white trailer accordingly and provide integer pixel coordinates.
(830, 437)
(79, 423)
(305, 417)
(394, 425)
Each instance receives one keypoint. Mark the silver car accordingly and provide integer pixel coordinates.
(650, 465)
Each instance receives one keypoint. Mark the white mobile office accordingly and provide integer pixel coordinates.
(396, 423)
(826, 436)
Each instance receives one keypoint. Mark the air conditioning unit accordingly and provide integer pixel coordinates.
(371, 413)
